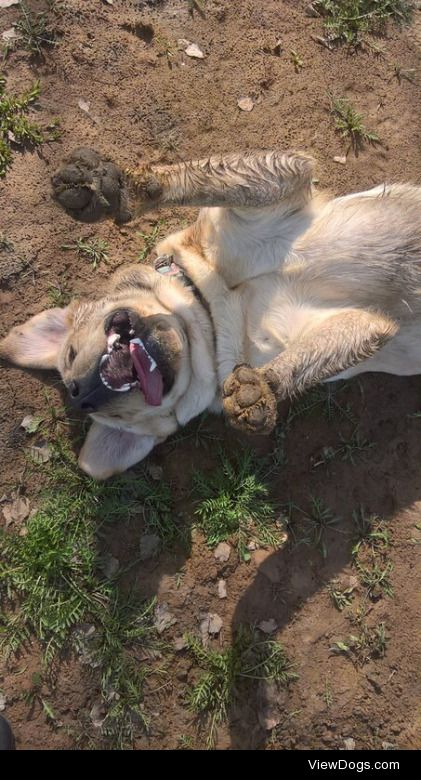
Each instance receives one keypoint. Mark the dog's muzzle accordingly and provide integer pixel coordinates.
(85, 398)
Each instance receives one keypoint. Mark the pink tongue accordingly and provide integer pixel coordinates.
(150, 381)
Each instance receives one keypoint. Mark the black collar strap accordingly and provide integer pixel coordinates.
(165, 265)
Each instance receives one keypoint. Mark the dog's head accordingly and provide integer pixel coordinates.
(139, 360)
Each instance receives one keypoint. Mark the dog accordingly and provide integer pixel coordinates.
(272, 290)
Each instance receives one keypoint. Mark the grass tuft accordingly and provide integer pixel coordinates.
(95, 250)
(228, 672)
(149, 240)
(350, 124)
(233, 501)
(348, 21)
(34, 30)
(16, 130)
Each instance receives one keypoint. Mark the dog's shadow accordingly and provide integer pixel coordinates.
(383, 482)
(379, 478)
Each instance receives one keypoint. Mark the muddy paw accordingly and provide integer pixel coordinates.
(90, 188)
(249, 402)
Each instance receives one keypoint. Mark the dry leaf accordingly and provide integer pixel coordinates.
(31, 423)
(211, 624)
(180, 644)
(163, 618)
(222, 589)
(8, 3)
(40, 453)
(268, 626)
(245, 104)
(84, 105)
(2, 702)
(98, 714)
(340, 160)
(10, 34)
(17, 511)
(194, 51)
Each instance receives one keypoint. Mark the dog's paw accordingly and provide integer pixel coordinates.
(90, 188)
(249, 403)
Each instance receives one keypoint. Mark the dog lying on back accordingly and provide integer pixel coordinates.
(273, 289)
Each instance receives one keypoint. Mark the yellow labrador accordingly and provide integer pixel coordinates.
(273, 289)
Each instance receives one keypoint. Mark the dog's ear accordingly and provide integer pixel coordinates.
(37, 343)
(109, 451)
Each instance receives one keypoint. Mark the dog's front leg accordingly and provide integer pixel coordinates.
(89, 187)
(341, 341)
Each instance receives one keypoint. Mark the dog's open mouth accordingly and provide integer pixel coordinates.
(127, 364)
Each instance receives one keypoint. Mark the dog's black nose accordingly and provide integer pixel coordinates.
(74, 389)
(85, 396)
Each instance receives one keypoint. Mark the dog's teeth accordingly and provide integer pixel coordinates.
(122, 389)
(103, 359)
(112, 340)
(104, 382)
(131, 332)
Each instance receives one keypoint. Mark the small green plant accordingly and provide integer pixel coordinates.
(341, 598)
(15, 128)
(149, 240)
(416, 539)
(350, 450)
(233, 501)
(230, 672)
(185, 742)
(296, 60)
(355, 448)
(59, 294)
(328, 694)
(93, 249)
(370, 642)
(347, 21)
(350, 124)
(33, 30)
(34, 694)
(376, 579)
(371, 533)
(312, 525)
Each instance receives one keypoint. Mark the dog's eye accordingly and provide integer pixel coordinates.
(71, 355)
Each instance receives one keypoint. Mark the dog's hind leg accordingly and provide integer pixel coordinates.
(89, 187)
(340, 341)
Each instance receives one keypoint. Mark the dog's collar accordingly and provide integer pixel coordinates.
(165, 265)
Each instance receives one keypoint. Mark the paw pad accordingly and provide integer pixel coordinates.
(249, 403)
(90, 188)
